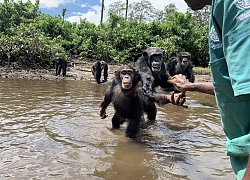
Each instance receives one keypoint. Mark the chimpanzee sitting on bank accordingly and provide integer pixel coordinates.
(97, 69)
(60, 64)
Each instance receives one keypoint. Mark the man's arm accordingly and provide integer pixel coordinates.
(184, 85)
(247, 173)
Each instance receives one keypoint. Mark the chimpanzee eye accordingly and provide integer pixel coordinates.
(123, 72)
(129, 72)
(187, 57)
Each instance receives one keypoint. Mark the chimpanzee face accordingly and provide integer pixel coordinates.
(127, 76)
(103, 66)
(57, 61)
(156, 62)
(185, 59)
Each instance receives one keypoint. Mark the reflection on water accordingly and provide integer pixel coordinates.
(51, 130)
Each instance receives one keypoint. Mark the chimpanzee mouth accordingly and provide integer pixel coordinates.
(126, 85)
(156, 68)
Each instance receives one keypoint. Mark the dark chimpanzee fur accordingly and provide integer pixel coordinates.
(152, 70)
(97, 68)
(60, 64)
(151, 66)
(181, 64)
(126, 94)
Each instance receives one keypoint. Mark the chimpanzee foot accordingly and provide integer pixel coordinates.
(130, 135)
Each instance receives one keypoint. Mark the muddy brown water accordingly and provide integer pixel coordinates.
(51, 130)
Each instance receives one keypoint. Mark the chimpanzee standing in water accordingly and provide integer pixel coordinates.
(180, 65)
(152, 70)
(126, 94)
(97, 68)
(60, 64)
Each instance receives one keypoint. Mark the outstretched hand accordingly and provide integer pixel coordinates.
(178, 99)
(180, 82)
(102, 113)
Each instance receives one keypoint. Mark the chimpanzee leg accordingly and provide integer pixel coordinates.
(117, 121)
(98, 77)
(105, 73)
(64, 67)
(150, 109)
(97, 72)
(133, 128)
(60, 68)
(57, 68)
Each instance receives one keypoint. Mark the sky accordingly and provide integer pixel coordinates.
(91, 9)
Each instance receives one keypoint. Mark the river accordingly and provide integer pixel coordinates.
(51, 130)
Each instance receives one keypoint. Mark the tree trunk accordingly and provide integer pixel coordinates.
(102, 11)
(126, 13)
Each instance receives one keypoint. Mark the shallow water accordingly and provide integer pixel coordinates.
(51, 130)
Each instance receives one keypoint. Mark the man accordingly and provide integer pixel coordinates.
(229, 46)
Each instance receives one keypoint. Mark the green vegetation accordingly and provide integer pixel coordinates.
(201, 70)
(29, 38)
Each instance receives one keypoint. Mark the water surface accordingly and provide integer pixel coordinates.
(51, 130)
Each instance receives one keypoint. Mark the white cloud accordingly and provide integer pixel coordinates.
(84, 5)
(49, 3)
(94, 13)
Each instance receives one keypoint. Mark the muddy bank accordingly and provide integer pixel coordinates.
(76, 70)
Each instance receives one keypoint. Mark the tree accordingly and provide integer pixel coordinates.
(117, 8)
(201, 16)
(63, 12)
(141, 11)
(102, 11)
(163, 15)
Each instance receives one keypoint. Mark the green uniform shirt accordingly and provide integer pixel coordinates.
(229, 43)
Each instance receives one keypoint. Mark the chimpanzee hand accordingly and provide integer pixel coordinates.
(102, 113)
(178, 99)
(148, 87)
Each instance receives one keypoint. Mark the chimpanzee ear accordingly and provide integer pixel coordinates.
(117, 74)
(145, 54)
(137, 75)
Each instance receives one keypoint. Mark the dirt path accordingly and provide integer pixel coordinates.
(76, 71)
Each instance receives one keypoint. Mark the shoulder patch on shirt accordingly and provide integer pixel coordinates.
(213, 35)
(215, 38)
(242, 4)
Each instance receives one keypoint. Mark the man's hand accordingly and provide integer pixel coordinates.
(102, 113)
(180, 82)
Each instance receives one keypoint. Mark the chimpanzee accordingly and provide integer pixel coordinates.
(180, 65)
(60, 63)
(152, 68)
(97, 68)
(126, 94)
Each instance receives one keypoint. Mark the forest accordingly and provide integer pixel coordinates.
(32, 39)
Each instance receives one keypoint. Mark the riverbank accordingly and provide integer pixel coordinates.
(77, 70)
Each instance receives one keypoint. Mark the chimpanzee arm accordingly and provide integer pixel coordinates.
(171, 66)
(107, 100)
(190, 73)
(144, 70)
(147, 77)
(108, 96)
(164, 80)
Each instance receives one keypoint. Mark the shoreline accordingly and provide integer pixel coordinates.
(75, 71)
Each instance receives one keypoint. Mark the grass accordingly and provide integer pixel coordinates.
(201, 70)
